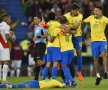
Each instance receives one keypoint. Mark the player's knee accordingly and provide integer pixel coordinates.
(48, 64)
(95, 59)
(79, 53)
(55, 64)
(103, 54)
(39, 63)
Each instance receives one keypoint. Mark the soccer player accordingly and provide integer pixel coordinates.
(35, 84)
(40, 34)
(67, 53)
(31, 61)
(74, 21)
(4, 47)
(53, 47)
(16, 54)
(98, 23)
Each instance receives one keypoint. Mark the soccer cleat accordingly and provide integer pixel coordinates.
(80, 77)
(105, 76)
(98, 81)
(72, 84)
(8, 86)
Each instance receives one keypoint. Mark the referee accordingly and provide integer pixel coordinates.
(40, 34)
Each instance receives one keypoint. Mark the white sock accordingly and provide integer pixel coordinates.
(12, 73)
(0, 72)
(98, 75)
(18, 72)
(29, 71)
(5, 71)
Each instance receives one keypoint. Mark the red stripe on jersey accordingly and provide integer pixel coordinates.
(4, 44)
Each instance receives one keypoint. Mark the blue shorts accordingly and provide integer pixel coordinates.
(31, 84)
(53, 54)
(98, 47)
(67, 57)
(77, 42)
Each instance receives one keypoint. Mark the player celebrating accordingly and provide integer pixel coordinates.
(4, 48)
(67, 53)
(74, 21)
(53, 47)
(98, 23)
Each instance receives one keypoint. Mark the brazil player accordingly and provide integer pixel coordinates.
(35, 84)
(67, 52)
(98, 23)
(53, 47)
(74, 21)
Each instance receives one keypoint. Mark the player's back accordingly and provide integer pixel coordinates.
(50, 83)
(52, 25)
(53, 30)
(66, 42)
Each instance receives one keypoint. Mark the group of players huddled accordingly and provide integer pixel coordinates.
(54, 45)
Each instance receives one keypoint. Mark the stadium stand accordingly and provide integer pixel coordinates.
(15, 10)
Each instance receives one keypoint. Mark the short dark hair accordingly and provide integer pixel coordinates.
(39, 17)
(75, 6)
(99, 7)
(5, 15)
(63, 20)
(2, 17)
(51, 16)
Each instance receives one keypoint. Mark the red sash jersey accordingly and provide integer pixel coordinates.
(3, 43)
(4, 29)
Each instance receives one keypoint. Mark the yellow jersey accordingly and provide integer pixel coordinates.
(50, 84)
(53, 30)
(73, 20)
(66, 42)
(97, 27)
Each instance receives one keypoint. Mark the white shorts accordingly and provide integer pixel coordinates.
(31, 60)
(16, 64)
(4, 54)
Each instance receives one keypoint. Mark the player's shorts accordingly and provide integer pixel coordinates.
(39, 51)
(16, 63)
(77, 42)
(31, 60)
(98, 47)
(53, 54)
(67, 56)
(31, 84)
(4, 54)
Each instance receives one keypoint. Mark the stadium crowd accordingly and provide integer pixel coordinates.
(37, 53)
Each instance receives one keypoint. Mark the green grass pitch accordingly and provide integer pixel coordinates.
(88, 83)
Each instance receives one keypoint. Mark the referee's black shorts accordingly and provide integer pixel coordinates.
(39, 51)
